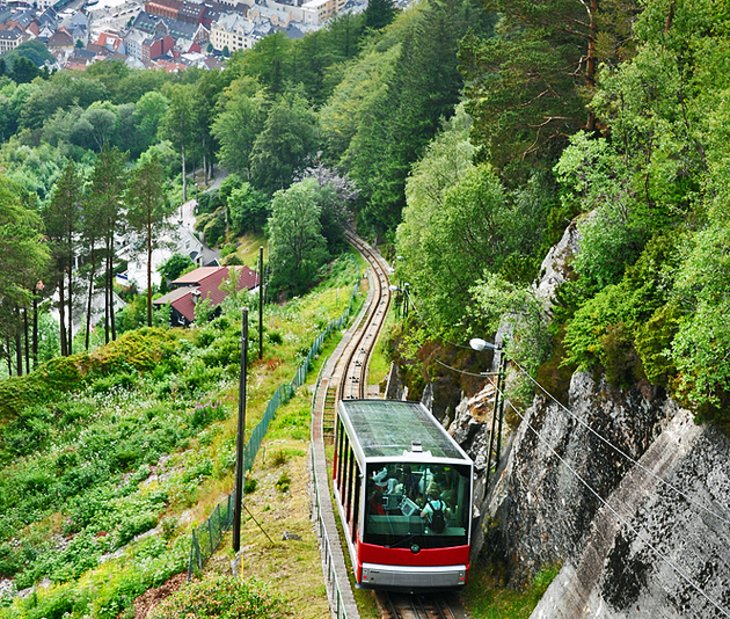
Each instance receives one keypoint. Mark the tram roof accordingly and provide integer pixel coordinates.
(385, 428)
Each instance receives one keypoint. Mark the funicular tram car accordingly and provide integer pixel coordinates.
(403, 488)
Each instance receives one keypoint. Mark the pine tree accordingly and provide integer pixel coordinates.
(62, 218)
(147, 210)
(379, 13)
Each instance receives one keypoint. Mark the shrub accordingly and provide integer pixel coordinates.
(653, 344)
(205, 413)
(198, 377)
(169, 527)
(284, 482)
(135, 525)
(222, 597)
(109, 383)
(279, 457)
(223, 350)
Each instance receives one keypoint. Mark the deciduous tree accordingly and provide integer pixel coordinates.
(286, 143)
(239, 120)
(296, 245)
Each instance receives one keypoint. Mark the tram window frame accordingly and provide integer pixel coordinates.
(350, 484)
(339, 450)
(356, 503)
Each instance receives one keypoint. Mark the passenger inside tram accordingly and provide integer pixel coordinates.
(399, 497)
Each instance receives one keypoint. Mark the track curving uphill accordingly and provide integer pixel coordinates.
(356, 357)
(344, 376)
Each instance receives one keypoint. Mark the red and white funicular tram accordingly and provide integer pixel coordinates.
(403, 487)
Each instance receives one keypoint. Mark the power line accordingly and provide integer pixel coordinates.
(620, 451)
(465, 372)
(621, 518)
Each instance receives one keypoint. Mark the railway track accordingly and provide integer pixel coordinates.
(356, 357)
(346, 378)
(405, 606)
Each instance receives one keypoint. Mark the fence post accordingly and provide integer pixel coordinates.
(199, 557)
(190, 559)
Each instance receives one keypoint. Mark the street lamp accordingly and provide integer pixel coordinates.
(479, 344)
(403, 292)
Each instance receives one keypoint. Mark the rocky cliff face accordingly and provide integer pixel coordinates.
(619, 487)
(660, 546)
(648, 548)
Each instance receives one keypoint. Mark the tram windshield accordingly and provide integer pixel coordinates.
(423, 504)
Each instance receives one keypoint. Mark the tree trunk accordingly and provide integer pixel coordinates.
(591, 61)
(62, 314)
(8, 356)
(670, 18)
(205, 166)
(106, 293)
(89, 298)
(149, 268)
(27, 348)
(112, 322)
(184, 178)
(35, 329)
(18, 344)
(70, 304)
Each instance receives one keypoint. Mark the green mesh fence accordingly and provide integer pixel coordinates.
(206, 538)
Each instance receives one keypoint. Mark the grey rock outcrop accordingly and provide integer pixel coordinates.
(620, 487)
(660, 545)
(541, 507)
(555, 268)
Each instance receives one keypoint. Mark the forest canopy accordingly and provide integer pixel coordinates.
(467, 137)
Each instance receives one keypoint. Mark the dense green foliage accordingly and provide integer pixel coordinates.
(645, 180)
(297, 247)
(222, 597)
(469, 135)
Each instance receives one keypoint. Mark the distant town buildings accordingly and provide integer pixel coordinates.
(232, 32)
(11, 38)
(166, 34)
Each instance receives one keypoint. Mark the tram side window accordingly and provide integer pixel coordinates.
(356, 504)
(344, 455)
(339, 451)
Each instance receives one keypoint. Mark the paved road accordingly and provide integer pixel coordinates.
(179, 237)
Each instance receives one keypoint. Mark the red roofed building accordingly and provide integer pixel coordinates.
(112, 41)
(165, 8)
(198, 285)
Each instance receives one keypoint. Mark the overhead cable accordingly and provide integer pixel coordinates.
(620, 451)
(620, 517)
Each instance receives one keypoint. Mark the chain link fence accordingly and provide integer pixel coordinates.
(207, 537)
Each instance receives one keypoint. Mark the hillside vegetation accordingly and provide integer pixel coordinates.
(466, 136)
(112, 460)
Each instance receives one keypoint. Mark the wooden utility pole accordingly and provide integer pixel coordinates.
(259, 275)
(240, 464)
